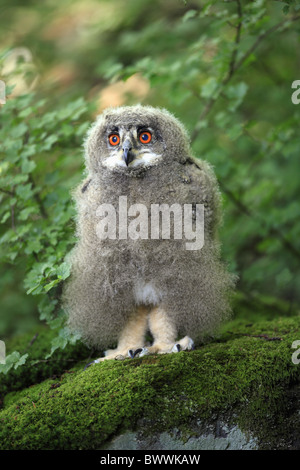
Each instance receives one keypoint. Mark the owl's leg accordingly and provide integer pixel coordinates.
(132, 337)
(164, 334)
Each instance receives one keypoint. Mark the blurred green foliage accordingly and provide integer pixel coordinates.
(225, 68)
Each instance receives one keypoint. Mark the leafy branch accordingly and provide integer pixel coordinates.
(233, 68)
(236, 41)
(36, 221)
(273, 230)
(235, 65)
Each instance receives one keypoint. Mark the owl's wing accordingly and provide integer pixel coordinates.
(202, 188)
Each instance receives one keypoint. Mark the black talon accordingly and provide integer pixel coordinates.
(137, 351)
(178, 347)
(88, 365)
(131, 353)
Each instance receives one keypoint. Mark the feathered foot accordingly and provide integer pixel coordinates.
(185, 344)
(116, 354)
(131, 338)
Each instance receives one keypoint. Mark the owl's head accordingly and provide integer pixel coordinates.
(128, 139)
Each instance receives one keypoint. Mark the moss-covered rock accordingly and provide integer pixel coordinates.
(245, 379)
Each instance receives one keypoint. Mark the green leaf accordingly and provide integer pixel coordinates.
(236, 94)
(25, 213)
(63, 271)
(13, 360)
(234, 131)
(208, 90)
(28, 166)
(189, 15)
(46, 307)
(24, 192)
(49, 142)
(33, 246)
(21, 361)
(5, 217)
(51, 284)
(18, 131)
(38, 289)
(60, 342)
(28, 151)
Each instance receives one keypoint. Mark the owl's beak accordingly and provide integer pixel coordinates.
(128, 156)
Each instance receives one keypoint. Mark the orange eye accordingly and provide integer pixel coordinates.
(145, 137)
(114, 139)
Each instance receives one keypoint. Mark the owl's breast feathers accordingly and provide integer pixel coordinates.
(189, 182)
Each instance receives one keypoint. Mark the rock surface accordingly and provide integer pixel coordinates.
(225, 438)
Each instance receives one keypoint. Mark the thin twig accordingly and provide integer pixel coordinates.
(12, 209)
(263, 336)
(31, 342)
(38, 199)
(234, 65)
(236, 41)
(211, 101)
(6, 191)
(263, 36)
(266, 337)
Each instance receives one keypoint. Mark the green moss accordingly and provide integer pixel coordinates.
(82, 409)
(37, 345)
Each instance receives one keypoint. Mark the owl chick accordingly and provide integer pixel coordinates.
(133, 273)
